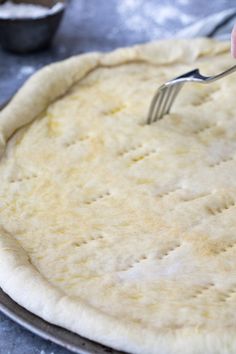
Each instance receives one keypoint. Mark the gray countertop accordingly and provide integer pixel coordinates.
(94, 25)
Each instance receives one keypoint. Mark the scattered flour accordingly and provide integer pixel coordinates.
(184, 2)
(139, 16)
(12, 10)
(26, 71)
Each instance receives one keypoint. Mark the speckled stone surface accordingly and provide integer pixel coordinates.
(92, 25)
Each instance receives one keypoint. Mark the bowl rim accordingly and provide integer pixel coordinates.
(38, 18)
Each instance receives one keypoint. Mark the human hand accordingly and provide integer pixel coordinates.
(233, 42)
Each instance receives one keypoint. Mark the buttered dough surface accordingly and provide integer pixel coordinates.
(135, 220)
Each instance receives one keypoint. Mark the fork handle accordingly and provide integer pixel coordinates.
(219, 76)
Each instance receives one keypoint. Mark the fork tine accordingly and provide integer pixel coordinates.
(169, 101)
(155, 103)
(159, 104)
(175, 92)
(166, 94)
(155, 100)
(166, 100)
(162, 102)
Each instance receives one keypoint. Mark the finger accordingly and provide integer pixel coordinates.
(233, 42)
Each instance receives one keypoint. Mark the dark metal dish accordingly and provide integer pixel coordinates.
(23, 35)
(48, 331)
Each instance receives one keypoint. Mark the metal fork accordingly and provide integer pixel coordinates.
(166, 94)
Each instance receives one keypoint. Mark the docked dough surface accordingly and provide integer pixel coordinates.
(134, 221)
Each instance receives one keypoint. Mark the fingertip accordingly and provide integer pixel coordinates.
(233, 42)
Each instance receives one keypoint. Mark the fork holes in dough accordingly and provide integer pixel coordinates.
(77, 141)
(97, 198)
(201, 290)
(142, 258)
(142, 157)
(87, 241)
(214, 210)
(222, 161)
(22, 179)
(130, 149)
(169, 251)
(204, 128)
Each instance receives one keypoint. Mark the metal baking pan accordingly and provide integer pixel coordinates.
(46, 330)
(58, 335)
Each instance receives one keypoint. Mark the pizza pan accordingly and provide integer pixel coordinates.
(48, 331)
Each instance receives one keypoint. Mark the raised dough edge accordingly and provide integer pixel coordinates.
(21, 281)
(55, 79)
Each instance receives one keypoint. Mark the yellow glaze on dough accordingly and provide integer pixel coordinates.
(132, 225)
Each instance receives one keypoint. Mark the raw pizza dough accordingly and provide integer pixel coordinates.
(122, 232)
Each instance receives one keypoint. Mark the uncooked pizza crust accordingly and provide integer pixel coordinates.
(122, 232)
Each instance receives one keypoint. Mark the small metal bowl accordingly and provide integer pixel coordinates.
(24, 35)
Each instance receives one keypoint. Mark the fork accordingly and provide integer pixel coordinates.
(166, 94)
